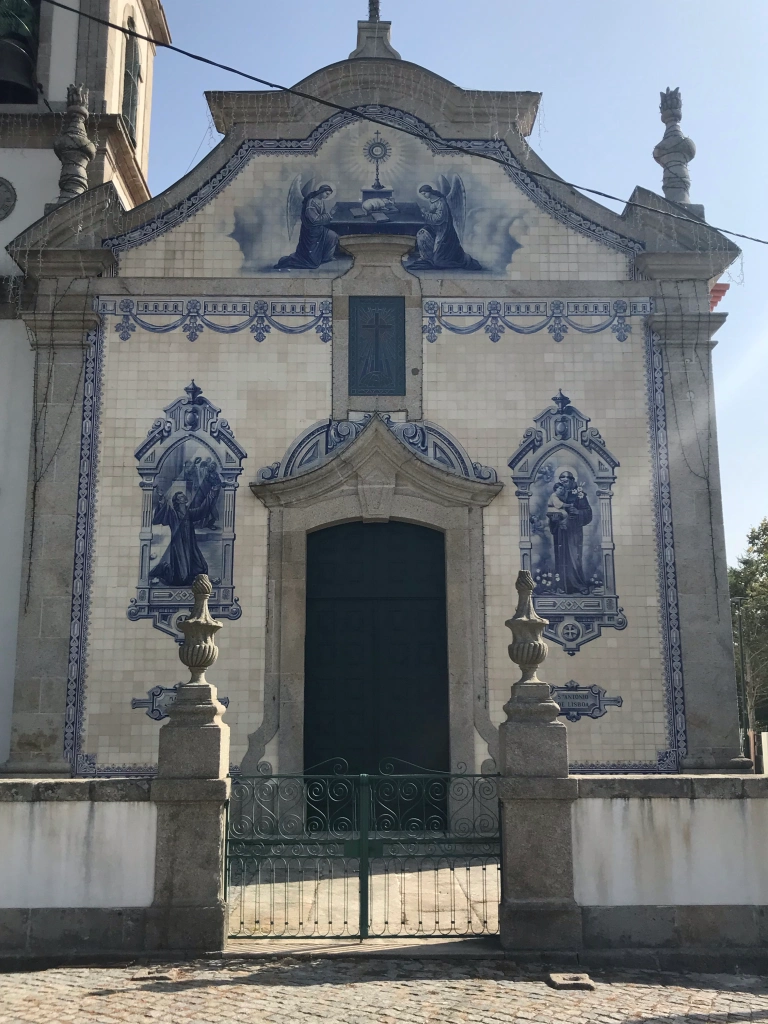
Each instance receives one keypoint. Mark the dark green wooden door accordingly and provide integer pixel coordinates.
(376, 658)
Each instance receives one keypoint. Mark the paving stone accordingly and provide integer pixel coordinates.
(368, 991)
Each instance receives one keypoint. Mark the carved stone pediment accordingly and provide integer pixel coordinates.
(367, 471)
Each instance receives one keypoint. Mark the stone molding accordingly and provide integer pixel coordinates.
(682, 328)
(44, 263)
(375, 478)
(62, 328)
(683, 266)
(376, 445)
(350, 83)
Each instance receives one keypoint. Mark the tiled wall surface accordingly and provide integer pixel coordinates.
(268, 392)
(487, 395)
(251, 223)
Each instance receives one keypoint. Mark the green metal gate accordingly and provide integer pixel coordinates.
(341, 855)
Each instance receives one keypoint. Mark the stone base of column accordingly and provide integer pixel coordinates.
(720, 760)
(187, 929)
(540, 924)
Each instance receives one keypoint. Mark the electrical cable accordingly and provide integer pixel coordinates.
(385, 124)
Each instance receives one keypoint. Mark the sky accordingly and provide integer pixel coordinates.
(600, 65)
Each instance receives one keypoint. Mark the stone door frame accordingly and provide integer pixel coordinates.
(374, 479)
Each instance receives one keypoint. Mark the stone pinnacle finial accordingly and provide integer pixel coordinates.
(676, 150)
(373, 36)
(73, 147)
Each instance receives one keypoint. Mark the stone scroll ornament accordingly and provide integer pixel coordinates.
(564, 476)
(189, 466)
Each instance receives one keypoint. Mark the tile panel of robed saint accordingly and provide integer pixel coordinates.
(487, 394)
(269, 392)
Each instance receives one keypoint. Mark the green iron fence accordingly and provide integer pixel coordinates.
(334, 855)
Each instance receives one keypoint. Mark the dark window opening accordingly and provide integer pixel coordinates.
(376, 346)
(131, 79)
(19, 39)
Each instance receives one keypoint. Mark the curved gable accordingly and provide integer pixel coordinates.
(246, 218)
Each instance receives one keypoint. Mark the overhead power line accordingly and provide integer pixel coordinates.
(386, 124)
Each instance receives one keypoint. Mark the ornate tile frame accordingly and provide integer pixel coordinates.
(84, 764)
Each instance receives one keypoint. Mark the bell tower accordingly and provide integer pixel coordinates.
(44, 50)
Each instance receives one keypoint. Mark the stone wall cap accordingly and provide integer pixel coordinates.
(532, 788)
(673, 787)
(65, 790)
(189, 790)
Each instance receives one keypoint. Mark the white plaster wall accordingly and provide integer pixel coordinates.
(16, 370)
(63, 51)
(660, 852)
(34, 173)
(77, 854)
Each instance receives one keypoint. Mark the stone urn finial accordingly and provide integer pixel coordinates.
(527, 649)
(73, 147)
(194, 743)
(530, 696)
(199, 651)
(676, 150)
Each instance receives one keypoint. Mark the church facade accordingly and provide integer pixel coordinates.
(366, 361)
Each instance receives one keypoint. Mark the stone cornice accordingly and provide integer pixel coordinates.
(683, 266)
(474, 113)
(61, 328)
(156, 20)
(42, 263)
(683, 328)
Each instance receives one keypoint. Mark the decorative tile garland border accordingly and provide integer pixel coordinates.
(194, 316)
(495, 316)
(191, 204)
(85, 764)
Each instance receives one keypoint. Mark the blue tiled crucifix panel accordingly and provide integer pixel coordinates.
(376, 345)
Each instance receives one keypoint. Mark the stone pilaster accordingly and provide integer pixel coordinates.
(538, 909)
(686, 342)
(45, 613)
(191, 792)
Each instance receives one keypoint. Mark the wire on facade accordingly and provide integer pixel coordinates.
(368, 117)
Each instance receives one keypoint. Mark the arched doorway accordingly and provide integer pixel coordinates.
(376, 651)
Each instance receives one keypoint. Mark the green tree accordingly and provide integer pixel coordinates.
(749, 581)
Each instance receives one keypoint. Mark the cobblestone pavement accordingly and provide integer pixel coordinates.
(363, 991)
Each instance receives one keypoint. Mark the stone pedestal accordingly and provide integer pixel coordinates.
(191, 792)
(538, 910)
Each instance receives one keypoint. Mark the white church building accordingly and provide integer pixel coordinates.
(360, 366)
